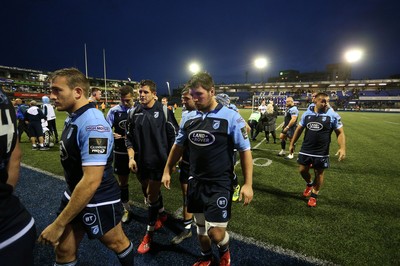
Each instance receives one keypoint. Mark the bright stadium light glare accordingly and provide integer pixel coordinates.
(353, 55)
(260, 62)
(194, 67)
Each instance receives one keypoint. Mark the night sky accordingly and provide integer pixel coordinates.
(158, 39)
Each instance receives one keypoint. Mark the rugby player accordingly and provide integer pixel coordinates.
(91, 203)
(211, 133)
(17, 227)
(289, 126)
(151, 129)
(116, 117)
(318, 121)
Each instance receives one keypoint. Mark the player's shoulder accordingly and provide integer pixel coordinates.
(115, 108)
(332, 112)
(92, 116)
(190, 115)
(308, 111)
(231, 115)
(226, 111)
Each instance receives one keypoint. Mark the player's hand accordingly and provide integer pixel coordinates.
(51, 235)
(133, 166)
(341, 153)
(117, 136)
(246, 193)
(291, 149)
(166, 180)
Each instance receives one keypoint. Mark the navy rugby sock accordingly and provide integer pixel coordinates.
(126, 257)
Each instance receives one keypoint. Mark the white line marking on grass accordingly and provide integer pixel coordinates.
(249, 240)
(42, 171)
(279, 250)
(392, 123)
(262, 140)
(268, 247)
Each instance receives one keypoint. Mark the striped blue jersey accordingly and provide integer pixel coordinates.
(211, 138)
(116, 117)
(291, 111)
(318, 129)
(87, 140)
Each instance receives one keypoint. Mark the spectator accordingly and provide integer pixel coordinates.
(48, 111)
(33, 117)
(253, 122)
(22, 126)
(270, 122)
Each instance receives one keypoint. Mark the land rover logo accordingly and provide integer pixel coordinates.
(314, 126)
(201, 138)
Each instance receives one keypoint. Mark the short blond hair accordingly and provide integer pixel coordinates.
(270, 108)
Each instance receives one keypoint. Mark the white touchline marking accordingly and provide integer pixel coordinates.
(262, 140)
(248, 240)
(42, 171)
(279, 250)
(392, 122)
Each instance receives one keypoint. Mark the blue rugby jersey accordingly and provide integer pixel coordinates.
(116, 117)
(211, 138)
(318, 129)
(87, 140)
(185, 155)
(289, 113)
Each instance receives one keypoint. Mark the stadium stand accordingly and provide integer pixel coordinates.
(377, 94)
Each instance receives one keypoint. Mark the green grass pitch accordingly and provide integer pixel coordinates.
(356, 221)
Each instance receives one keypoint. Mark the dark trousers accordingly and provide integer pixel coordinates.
(51, 124)
(22, 127)
(253, 128)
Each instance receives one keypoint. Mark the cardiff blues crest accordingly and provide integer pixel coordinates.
(216, 124)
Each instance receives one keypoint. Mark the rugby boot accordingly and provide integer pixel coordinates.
(144, 246)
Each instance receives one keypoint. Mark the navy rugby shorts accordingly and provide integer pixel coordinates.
(121, 164)
(97, 219)
(290, 131)
(184, 172)
(210, 198)
(317, 162)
